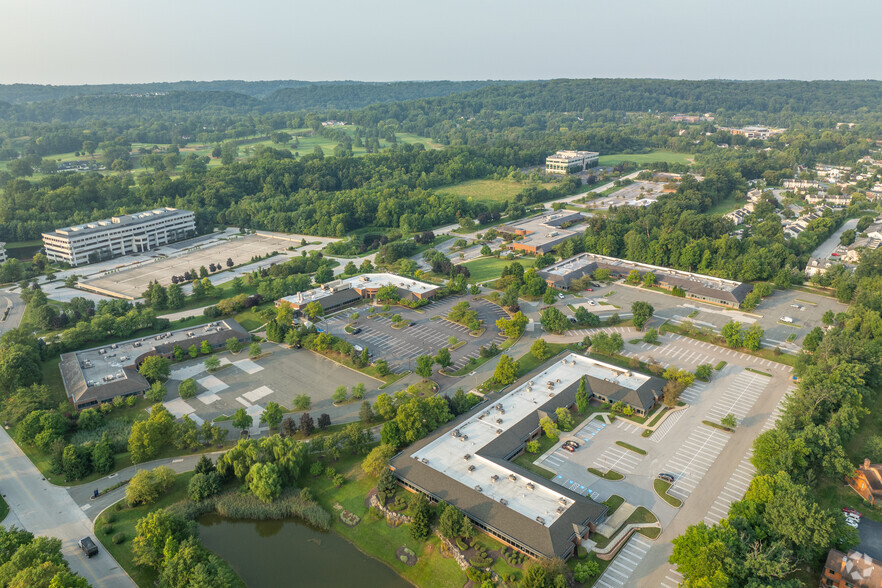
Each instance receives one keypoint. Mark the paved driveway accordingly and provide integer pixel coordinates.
(48, 510)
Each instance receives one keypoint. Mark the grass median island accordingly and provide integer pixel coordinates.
(718, 426)
(661, 488)
(630, 447)
(720, 365)
(713, 338)
(611, 475)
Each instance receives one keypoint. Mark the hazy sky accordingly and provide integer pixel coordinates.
(107, 41)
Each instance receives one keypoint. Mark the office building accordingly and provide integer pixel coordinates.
(119, 235)
(695, 286)
(564, 162)
(339, 293)
(100, 374)
(540, 234)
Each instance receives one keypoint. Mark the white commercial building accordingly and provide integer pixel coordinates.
(3, 256)
(564, 161)
(119, 235)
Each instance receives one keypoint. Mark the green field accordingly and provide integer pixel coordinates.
(643, 158)
(724, 206)
(490, 268)
(490, 190)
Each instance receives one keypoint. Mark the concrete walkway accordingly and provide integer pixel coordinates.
(48, 510)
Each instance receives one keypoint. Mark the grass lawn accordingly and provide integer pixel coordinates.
(490, 268)
(249, 319)
(613, 503)
(526, 459)
(375, 537)
(124, 521)
(610, 475)
(644, 158)
(490, 190)
(725, 206)
(661, 488)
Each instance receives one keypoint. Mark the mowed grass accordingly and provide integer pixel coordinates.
(490, 268)
(490, 190)
(644, 158)
(725, 206)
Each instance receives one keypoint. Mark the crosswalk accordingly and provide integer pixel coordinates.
(666, 426)
(619, 459)
(693, 459)
(740, 396)
(626, 561)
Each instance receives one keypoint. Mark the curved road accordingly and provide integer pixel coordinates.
(48, 510)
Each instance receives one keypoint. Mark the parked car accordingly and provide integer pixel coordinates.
(573, 443)
(848, 509)
(590, 289)
(411, 323)
(88, 546)
(561, 296)
(356, 330)
(569, 448)
(669, 478)
(358, 348)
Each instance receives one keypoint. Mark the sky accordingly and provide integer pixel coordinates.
(126, 41)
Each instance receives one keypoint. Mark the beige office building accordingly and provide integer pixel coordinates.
(564, 161)
(119, 235)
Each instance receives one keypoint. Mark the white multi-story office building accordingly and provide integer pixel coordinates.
(3, 256)
(564, 161)
(119, 235)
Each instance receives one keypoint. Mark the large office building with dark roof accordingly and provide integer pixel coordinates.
(696, 286)
(467, 462)
(100, 374)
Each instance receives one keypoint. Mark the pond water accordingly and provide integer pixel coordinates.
(287, 553)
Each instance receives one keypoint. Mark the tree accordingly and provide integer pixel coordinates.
(549, 428)
(450, 521)
(424, 366)
(828, 318)
(532, 447)
(376, 459)
(358, 391)
(186, 434)
(365, 414)
(205, 347)
(382, 366)
(146, 486)
(324, 421)
(548, 296)
(193, 351)
(234, 345)
(339, 395)
(729, 421)
(420, 528)
(540, 349)
(204, 465)
(307, 426)
(633, 278)
(583, 317)
(187, 388)
(153, 532)
(564, 418)
(302, 402)
(753, 337)
(506, 370)
(314, 310)
(586, 570)
(607, 344)
(189, 564)
(254, 350)
(651, 336)
(264, 481)
(272, 415)
(649, 280)
(76, 462)
(582, 397)
(156, 393)
(155, 368)
(553, 320)
(515, 326)
(642, 312)
(443, 357)
(212, 363)
(731, 332)
(102, 455)
(241, 419)
(88, 420)
(704, 372)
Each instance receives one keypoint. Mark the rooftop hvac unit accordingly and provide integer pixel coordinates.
(560, 509)
(464, 438)
(530, 486)
(540, 520)
(503, 501)
(498, 421)
(479, 489)
(512, 477)
(471, 468)
(424, 460)
(562, 500)
(494, 478)
(467, 456)
(499, 431)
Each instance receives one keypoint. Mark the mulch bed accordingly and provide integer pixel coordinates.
(408, 559)
(349, 519)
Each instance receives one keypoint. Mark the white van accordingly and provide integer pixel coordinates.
(786, 319)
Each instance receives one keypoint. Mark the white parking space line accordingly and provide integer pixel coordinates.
(693, 459)
(619, 459)
(629, 557)
(666, 426)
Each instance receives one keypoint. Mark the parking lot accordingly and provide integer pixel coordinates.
(401, 347)
(804, 308)
(248, 384)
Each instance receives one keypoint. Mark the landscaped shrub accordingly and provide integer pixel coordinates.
(460, 544)
(119, 538)
(316, 469)
(480, 561)
(110, 518)
(581, 552)
(107, 529)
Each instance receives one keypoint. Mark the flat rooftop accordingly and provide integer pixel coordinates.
(568, 266)
(570, 155)
(104, 365)
(446, 454)
(361, 282)
(120, 221)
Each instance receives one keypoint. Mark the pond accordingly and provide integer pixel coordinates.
(275, 553)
